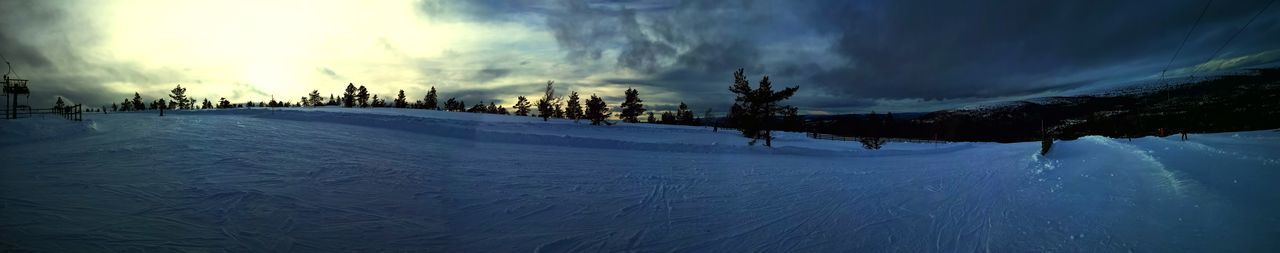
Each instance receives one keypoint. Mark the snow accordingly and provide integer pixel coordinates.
(335, 179)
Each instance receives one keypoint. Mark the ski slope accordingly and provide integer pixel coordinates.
(334, 179)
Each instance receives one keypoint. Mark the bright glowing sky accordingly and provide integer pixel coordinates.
(846, 56)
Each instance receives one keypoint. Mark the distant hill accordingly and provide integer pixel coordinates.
(1243, 101)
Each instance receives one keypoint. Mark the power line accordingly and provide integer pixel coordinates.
(1233, 36)
(1184, 39)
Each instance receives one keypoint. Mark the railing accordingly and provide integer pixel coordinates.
(74, 112)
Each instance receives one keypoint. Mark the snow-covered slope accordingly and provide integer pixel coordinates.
(334, 179)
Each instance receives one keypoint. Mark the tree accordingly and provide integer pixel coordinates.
(362, 97)
(478, 108)
(349, 98)
(137, 102)
(378, 102)
(753, 108)
(597, 110)
(521, 106)
(651, 118)
(400, 101)
(114, 107)
(179, 95)
(684, 116)
(632, 106)
(668, 118)
(573, 110)
(223, 104)
(492, 108)
(59, 105)
(545, 107)
(429, 102)
(791, 119)
(332, 101)
(206, 104)
(315, 98)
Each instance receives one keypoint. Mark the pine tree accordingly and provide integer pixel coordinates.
(137, 102)
(315, 98)
(651, 118)
(378, 102)
(400, 101)
(114, 107)
(668, 118)
(632, 106)
(502, 110)
(684, 116)
(223, 104)
(753, 108)
(179, 94)
(332, 100)
(58, 105)
(521, 106)
(429, 102)
(597, 111)
(791, 119)
(362, 97)
(492, 108)
(206, 105)
(545, 108)
(349, 98)
(574, 108)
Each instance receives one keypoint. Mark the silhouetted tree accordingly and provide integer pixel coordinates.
(545, 107)
(597, 111)
(684, 116)
(349, 97)
(332, 101)
(632, 106)
(478, 108)
(791, 119)
(57, 106)
(502, 110)
(574, 108)
(315, 98)
(492, 108)
(362, 96)
(224, 104)
(668, 118)
(451, 104)
(179, 95)
(400, 101)
(556, 110)
(753, 108)
(651, 118)
(378, 102)
(206, 105)
(114, 107)
(429, 102)
(521, 106)
(137, 102)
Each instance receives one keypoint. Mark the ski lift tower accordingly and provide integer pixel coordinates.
(13, 88)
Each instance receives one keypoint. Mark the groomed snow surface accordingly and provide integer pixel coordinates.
(333, 179)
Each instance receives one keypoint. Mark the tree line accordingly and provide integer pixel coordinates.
(752, 113)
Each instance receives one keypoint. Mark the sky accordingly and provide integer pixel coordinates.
(846, 56)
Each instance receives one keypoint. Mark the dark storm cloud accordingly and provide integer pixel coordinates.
(902, 50)
(936, 50)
